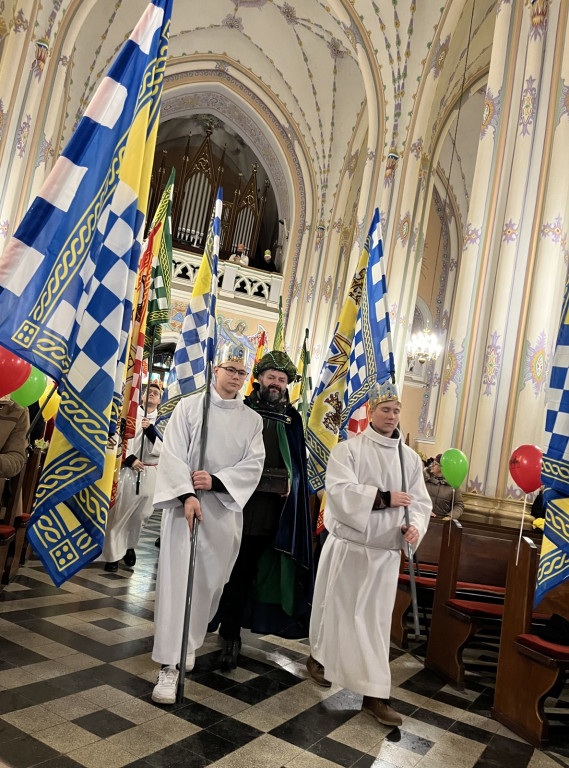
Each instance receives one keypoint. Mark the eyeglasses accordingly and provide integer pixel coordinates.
(233, 371)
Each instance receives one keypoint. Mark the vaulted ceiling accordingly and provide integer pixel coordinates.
(319, 69)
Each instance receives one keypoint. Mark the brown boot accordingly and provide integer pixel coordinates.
(316, 672)
(381, 711)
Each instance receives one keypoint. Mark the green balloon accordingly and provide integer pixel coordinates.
(31, 389)
(454, 466)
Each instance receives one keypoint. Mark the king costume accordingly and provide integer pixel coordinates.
(358, 569)
(271, 585)
(234, 455)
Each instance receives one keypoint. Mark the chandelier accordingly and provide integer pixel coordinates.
(422, 347)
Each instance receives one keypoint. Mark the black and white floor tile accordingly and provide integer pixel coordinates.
(76, 677)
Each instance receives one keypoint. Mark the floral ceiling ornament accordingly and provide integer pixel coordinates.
(352, 163)
(310, 290)
(510, 232)
(475, 486)
(528, 106)
(453, 370)
(390, 168)
(535, 367)
(289, 12)
(416, 148)
(553, 229)
(45, 151)
(23, 135)
(492, 362)
(231, 21)
(404, 228)
(539, 10)
(327, 289)
(490, 113)
(21, 24)
(38, 64)
(336, 48)
(439, 56)
(564, 105)
(471, 236)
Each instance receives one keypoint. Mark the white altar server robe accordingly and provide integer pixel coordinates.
(357, 574)
(131, 509)
(234, 454)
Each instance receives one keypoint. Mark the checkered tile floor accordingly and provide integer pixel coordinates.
(76, 677)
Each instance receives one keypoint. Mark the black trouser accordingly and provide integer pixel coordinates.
(237, 589)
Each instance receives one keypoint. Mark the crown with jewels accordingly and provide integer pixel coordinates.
(231, 353)
(382, 393)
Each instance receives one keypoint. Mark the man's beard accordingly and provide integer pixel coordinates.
(271, 394)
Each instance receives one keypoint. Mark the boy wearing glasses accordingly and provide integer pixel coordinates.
(232, 468)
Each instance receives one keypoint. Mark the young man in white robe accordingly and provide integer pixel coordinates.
(131, 509)
(232, 469)
(358, 570)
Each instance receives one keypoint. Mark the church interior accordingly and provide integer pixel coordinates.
(449, 118)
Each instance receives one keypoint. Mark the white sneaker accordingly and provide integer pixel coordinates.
(165, 689)
(190, 660)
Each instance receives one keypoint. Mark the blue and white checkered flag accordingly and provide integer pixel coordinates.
(196, 344)
(554, 557)
(371, 358)
(66, 285)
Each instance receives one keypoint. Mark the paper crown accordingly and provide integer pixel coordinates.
(268, 251)
(382, 393)
(231, 353)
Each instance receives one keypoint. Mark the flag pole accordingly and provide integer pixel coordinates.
(37, 417)
(194, 542)
(150, 364)
(410, 555)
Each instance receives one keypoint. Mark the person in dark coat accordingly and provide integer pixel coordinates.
(441, 492)
(270, 588)
(267, 263)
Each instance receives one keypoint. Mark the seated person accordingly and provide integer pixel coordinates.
(14, 423)
(441, 492)
(240, 257)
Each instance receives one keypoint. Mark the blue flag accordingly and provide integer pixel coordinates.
(554, 558)
(359, 356)
(196, 344)
(66, 285)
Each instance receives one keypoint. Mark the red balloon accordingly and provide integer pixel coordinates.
(525, 467)
(13, 372)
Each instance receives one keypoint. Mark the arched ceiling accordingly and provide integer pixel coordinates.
(318, 62)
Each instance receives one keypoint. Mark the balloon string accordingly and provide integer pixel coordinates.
(521, 528)
(451, 511)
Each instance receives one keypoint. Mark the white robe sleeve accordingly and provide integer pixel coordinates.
(242, 479)
(348, 501)
(174, 475)
(421, 504)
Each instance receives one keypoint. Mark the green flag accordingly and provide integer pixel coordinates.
(303, 385)
(279, 330)
(161, 281)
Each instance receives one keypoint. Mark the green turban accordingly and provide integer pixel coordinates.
(276, 361)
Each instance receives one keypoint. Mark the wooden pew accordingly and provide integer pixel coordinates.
(529, 668)
(427, 557)
(17, 514)
(472, 557)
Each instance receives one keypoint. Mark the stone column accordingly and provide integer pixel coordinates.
(512, 260)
